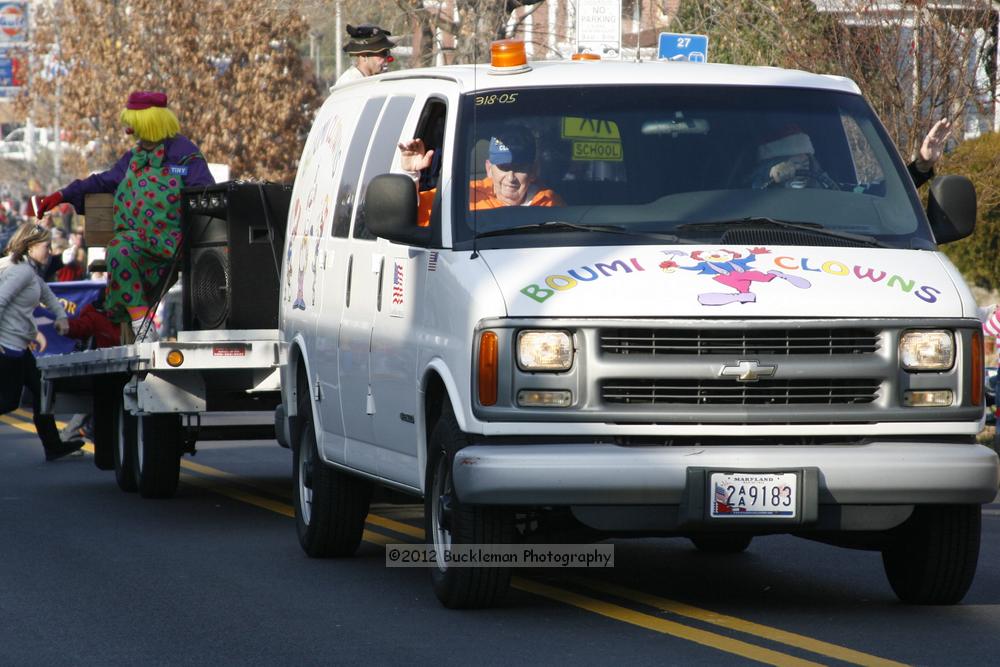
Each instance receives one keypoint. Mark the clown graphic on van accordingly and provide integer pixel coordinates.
(732, 269)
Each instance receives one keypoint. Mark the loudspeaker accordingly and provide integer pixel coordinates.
(234, 233)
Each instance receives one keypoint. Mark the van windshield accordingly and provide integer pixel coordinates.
(699, 163)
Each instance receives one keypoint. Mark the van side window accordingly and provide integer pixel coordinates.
(352, 167)
(867, 170)
(380, 155)
(430, 128)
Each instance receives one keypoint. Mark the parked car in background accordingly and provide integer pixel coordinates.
(14, 150)
(15, 145)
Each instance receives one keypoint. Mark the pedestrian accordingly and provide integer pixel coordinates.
(21, 290)
(146, 182)
(370, 46)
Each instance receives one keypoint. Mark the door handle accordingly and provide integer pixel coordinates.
(381, 273)
(350, 274)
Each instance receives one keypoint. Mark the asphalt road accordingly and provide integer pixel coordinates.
(91, 575)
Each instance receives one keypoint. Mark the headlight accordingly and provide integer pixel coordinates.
(927, 350)
(544, 350)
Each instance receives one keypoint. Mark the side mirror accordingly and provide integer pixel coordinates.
(951, 208)
(390, 210)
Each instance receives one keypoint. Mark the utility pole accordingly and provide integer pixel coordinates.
(338, 45)
(56, 68)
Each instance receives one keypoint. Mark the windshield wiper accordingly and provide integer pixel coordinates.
(811, 227)
(563, 226)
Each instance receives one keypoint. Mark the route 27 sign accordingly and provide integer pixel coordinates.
(678, 46)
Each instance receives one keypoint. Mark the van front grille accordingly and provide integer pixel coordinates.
(818, 391)
(740, 342)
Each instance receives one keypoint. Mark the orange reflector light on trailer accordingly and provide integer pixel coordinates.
(488, 362)
(586, 56)
(175, 358)
(507, 56)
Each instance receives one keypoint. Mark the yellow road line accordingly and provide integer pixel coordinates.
(609, 610)
(733, 623)
(398, 526)
(243, 496)
(17, 423)
(600, 607)
(222, 474)
(661, 625)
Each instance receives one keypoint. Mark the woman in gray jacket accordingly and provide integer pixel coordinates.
(21, 290)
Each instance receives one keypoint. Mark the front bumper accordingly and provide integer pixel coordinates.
(876, 473)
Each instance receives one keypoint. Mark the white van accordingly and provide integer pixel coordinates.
(678, 343)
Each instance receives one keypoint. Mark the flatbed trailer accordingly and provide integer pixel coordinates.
(148, 399)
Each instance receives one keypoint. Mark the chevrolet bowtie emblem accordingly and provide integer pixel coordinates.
(747, 371)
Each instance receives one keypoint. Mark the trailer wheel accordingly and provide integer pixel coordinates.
(330, 505)
(158, 455)
(124, 449)
(105, 427)
(448, 521)
(933, 558)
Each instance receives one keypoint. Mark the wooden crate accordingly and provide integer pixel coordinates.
(99, 220)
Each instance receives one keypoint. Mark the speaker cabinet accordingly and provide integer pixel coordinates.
(234, 233)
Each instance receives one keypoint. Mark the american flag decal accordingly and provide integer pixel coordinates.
(397, 284)
(432, 261)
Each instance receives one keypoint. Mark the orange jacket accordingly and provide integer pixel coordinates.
(482, 199)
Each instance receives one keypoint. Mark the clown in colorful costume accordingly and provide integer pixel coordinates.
(146, 182)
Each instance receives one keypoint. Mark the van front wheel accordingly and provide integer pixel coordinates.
(933, 558)
(450, 522)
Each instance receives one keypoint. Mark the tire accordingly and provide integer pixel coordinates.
(722, 543)
(330, 505)
(158, 445)
(105, 428)
(448, 521)
(933, 558)
(124, 447)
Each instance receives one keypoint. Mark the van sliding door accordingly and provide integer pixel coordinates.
(367, 268)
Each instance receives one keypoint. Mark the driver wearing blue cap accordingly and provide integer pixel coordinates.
(511, 174)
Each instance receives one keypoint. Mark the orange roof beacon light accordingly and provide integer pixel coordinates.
(586, 56)
(507, 56)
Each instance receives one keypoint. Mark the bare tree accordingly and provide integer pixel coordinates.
(468, 36)
(915, 61)
(233, 73)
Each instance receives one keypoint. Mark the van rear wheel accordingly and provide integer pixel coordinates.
(933, 558)
(448, 521)
(330, 505)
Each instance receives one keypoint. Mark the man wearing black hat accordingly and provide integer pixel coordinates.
(370, 45)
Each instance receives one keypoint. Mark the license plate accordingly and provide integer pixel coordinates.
(753, 494)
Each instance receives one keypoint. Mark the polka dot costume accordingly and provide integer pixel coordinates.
(147, 232)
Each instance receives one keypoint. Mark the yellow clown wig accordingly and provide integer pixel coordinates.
(148, 116)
